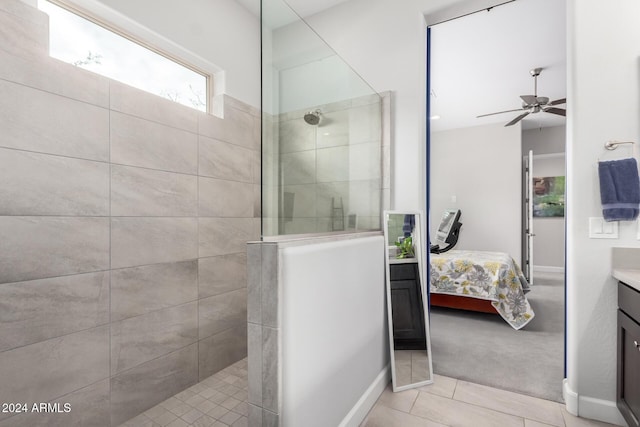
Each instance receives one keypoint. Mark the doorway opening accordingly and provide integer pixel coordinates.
(479, 65)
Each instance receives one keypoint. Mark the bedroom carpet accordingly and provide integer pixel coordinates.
(484, 349)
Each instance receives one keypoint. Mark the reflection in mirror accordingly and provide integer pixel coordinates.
(406, 300)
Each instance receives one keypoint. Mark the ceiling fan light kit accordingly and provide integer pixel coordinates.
(532, 104)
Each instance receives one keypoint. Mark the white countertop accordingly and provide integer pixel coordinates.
(628, 276)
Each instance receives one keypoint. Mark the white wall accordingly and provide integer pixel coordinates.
(604, 104)
(334, 334)
(548, 146)
(549, 140)
(481, 168)
(221, 31)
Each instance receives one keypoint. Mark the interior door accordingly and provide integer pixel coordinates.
(528, 218)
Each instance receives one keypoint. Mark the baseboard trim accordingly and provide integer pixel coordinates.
(591, 408)
(570, 398)
(601, 410)
(547, 269)
(360, 410)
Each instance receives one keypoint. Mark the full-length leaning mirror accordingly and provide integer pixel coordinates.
(407, 300)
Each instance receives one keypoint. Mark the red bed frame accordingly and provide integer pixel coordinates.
(462, 303)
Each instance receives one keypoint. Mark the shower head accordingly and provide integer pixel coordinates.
(312, 117)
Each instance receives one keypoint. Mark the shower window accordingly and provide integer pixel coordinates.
(88, 45)
(322, 142)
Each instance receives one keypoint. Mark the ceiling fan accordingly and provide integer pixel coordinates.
(532, 104)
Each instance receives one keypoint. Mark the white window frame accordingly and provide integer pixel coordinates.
(120, 24)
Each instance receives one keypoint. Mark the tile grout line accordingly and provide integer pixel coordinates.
(124, 165)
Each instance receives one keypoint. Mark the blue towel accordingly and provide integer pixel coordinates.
(409, 223)
(619, 189)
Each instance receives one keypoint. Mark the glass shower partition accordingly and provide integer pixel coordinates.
(321, 133)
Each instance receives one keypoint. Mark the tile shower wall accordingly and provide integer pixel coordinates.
(337, 163)
(123, 223)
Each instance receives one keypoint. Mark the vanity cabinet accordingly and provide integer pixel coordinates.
(407, 306)
(628, 377)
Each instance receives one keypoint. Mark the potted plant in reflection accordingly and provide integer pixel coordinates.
(405, 248)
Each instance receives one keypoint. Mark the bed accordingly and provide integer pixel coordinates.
(481, 281)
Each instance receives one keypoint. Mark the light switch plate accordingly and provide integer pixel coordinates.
(601, 229)
(638, 222)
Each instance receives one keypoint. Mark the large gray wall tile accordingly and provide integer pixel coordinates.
(30, 27)
(254, 283)
(24, 11)
(296, 135)
(221, 274)
(140, 142)
(257, 132)
(139, 290)
(38, 247)
(221, 312)
(271, 380)
(257, 201)
(254, 363)
(136, 102)
(365, 161)
(236, 127)
(144, 192)
(222, 198)
(49, 369)
(270, 287)
(53, 124)
(255, 416)
(325, 195)
(221, 350)
(146, 337)
(144, 386)
(41, 309)
(89, 408)
(256, 167)
(332, 164)
(219, 236)
(41, 184)
(302, 200)
(55, 76)
(140, 241)
(335, 129)
(219, 159)
(298, 167)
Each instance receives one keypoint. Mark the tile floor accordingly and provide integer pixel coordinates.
(218, 401)
(221, 400)
(451, 402)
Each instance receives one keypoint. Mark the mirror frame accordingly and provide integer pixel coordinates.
(420, 254)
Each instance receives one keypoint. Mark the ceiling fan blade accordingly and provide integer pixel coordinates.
(558, 101)
(558, 111)
(517, 119)
(500, 112)
(529, 99)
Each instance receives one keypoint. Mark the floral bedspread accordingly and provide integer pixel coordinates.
(485, 275)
